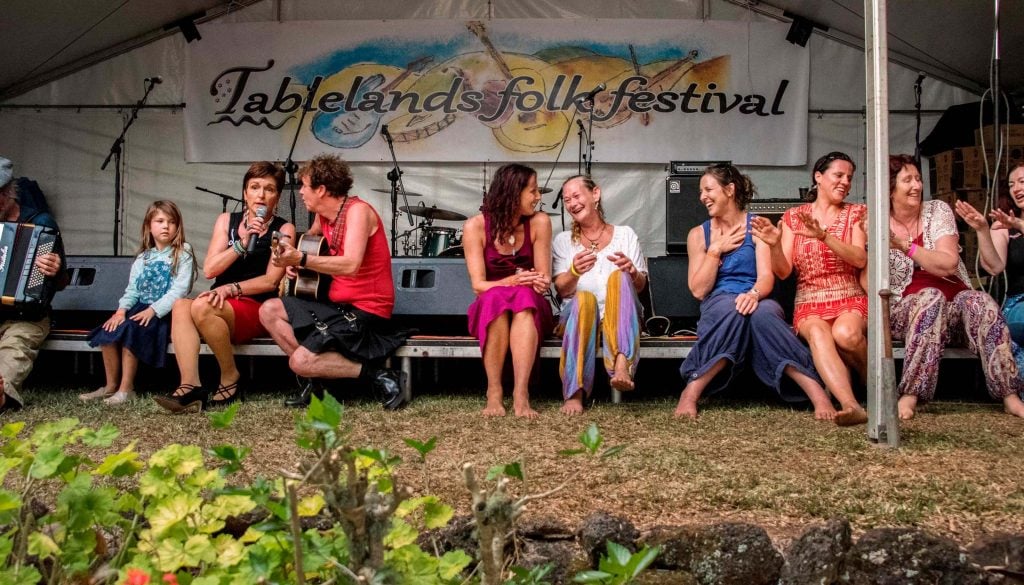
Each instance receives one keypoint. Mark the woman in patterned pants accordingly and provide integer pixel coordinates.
(933, 303)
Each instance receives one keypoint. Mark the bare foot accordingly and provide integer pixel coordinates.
(687, 407)
(573, 405)
(1013, 405)
(851, 416)
(823, 409)
(621, 380)
(524, 411)
(494, 407)
(906, 406)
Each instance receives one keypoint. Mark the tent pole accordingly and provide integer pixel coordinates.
(883, 426)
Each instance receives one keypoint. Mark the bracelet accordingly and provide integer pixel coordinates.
(238, 248)
(823, 237)
(238, 289)
(302, 261)
(572, 269)
(911, 250)
(755, 292)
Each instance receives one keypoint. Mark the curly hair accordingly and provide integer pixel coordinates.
(822, 165)
(501, 203)
(896, 164)
(263, 169)
(727, 174)
(590, 185)
(330, 171)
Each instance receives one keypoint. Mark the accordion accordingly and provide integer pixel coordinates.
(22, 286)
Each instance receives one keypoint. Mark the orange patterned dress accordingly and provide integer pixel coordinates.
(826, 285)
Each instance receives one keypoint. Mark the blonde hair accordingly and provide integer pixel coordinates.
(148, 242)
(589, 183)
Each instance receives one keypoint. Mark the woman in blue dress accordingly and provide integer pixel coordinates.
(731, 274)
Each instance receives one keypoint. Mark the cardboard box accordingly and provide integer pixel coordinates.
(976, 197)
(1016, 136)
(965, 168)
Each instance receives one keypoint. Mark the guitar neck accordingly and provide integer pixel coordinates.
(481, 33)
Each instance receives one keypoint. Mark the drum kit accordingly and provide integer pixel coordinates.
(431, 240)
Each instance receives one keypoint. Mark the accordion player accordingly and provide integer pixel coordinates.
(25, 291)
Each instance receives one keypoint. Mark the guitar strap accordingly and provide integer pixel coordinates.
(338, 229)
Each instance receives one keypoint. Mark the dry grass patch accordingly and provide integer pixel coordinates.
(958, 473)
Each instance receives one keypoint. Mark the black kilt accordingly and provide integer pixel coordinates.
(357, 335)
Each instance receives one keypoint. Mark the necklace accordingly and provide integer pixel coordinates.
(594, 241)
(906, 227)
(335, 228)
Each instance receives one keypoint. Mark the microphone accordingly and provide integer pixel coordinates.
(155, 79)
(920, 77)
(261, 212)
(384, 132)
(589, 97)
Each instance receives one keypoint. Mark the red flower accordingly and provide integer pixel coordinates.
(135, 576)
(170, 579)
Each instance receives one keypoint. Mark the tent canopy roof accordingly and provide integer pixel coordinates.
(949, 39)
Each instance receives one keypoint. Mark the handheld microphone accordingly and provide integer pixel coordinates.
(920, 77)
(155, 79)
(261, 212)
(589, 97)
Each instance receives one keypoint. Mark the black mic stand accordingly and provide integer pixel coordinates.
(917, 108)
(223, 198)
(289, 165)
(115, 152)
(395, 177)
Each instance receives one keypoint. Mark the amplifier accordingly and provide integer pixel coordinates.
(773, 206)
(690, 168)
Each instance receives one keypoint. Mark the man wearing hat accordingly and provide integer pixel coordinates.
(23, 331)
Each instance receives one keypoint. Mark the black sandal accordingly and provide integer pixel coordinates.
(235, 394)
(194, 396)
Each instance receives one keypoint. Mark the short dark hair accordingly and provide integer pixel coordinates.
(263, 169)
(330, 171)
(896, 164)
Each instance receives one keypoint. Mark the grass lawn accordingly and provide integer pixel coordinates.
(958, 474)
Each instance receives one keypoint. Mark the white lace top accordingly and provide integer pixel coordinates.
(937, 221)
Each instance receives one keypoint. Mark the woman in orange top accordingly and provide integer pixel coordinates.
(825, 242)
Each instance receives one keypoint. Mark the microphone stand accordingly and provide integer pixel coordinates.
(223, 198)
(917, 108)
(395, 177)
(115, 153)
(290, 167)
(588, 158)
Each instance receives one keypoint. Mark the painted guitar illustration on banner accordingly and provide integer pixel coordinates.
(352, 129)
(534, 131)
(663, 81)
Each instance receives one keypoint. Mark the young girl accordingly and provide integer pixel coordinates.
(162, 273)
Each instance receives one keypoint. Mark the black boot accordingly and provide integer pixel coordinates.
(387, 384)
(309, 387)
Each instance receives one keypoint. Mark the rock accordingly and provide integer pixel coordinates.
(721, 554)
(237, 525)
(457, 534)
(566, 557)
(907, 556)
(600, 527)
(1000, 550)
(662, 577)
(544, 528)
(816, 557)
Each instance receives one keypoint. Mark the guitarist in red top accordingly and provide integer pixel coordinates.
(349, 333)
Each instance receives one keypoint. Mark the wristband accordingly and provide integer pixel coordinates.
(755, 292)
(572, 269)
(302, 261)
(238, 248)
(911, 250)
(238, 289)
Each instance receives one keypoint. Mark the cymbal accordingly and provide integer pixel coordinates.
(388, 191)
(432, 213)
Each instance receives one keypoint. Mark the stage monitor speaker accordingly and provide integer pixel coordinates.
(431, 286)
(670, 292)
(96, 283)
(683, 211)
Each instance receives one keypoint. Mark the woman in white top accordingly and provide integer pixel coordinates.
(598, 267)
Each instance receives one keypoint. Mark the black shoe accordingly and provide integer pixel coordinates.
(225, 395)
(194, 398)
(10, 404)
(310, 387)
(388, 385)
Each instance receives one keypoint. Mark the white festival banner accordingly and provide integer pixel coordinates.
(452, 91)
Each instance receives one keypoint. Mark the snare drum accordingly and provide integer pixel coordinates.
(436, 240)
(453, 252)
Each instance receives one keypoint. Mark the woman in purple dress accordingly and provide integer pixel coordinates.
(508, 255)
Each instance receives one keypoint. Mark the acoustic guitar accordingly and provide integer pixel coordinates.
(308, 284)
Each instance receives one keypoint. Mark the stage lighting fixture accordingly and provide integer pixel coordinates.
(801, 28)
(187, 26)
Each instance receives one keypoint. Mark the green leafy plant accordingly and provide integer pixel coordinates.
(619, 566)
(592, 440)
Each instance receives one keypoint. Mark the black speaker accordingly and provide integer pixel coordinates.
(670, 293)
(431, 286)
(683, 211)
(96, 284)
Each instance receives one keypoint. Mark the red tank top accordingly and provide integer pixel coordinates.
(949, 286)
(371, 288)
